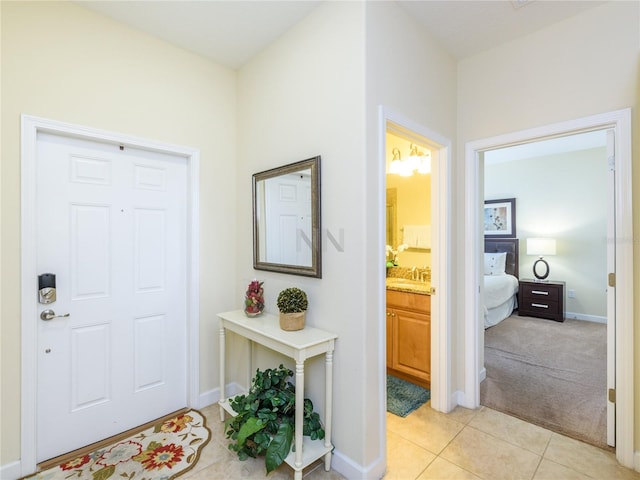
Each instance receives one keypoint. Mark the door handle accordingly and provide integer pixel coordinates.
(47, 315)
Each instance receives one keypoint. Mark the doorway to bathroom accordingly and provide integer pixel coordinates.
(431, 237)
(425, 244)
(408, 270)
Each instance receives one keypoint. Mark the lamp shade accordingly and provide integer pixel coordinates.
(541, 246)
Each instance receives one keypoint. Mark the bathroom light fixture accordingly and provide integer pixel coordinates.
(541, 247)
(396, 162)
(417, 161)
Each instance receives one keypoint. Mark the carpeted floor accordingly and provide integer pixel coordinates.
(550, 374)
(404, 397)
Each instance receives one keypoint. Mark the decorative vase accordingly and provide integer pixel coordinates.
(292, 321)
(254, 299)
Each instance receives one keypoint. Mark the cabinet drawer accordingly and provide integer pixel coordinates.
(538, 306)
(409, 301)
(542, 293)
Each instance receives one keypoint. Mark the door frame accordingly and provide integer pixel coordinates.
(442, 398)
(30, 127)
(620, 122)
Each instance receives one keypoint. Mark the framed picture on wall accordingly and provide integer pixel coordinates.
(500, 218)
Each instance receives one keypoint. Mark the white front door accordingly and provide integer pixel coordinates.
(111, 225)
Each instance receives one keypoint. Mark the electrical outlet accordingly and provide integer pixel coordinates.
(571, 293)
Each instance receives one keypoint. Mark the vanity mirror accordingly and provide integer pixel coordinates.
(286, 219)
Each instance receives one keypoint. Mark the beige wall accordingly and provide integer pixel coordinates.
(62, 62)
(409, 74)
(563, 196)
(303, 97)
(582, 66)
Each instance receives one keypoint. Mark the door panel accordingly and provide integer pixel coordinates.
(90, 247)
(111, 225)
(412, 333)
(89, 352)
(149, 346)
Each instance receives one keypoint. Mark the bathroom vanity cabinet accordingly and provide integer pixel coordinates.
(409, 336)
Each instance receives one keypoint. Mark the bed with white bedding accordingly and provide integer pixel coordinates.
(500, 279)
(499, 298)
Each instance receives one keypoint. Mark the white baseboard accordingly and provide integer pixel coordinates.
(460, 399)
(636, 461)
(585, 317)
(11, 471)
(213, 396)
(350, 469)
(483, 374)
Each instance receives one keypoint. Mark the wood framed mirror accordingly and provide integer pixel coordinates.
(286, 219)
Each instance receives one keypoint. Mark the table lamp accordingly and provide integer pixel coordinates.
(541, 247)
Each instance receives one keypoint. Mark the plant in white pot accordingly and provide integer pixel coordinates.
(292, 303)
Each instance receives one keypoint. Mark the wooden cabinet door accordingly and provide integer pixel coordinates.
(411, 353)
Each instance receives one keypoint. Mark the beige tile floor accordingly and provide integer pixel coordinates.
(464, 444)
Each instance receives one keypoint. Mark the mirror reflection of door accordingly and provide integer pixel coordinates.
(288, 225)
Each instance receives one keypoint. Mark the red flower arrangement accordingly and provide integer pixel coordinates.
(254, 299)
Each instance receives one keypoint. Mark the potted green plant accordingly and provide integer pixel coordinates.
(292, 303)
(265, 420)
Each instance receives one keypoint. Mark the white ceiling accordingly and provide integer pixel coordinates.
(231, 32)
(468, 27)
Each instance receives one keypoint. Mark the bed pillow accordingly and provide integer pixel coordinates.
(494, 263)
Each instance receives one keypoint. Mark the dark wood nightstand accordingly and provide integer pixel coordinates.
(541, 299)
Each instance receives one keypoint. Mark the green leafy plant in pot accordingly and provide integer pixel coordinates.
(265, 420)
(292, 303)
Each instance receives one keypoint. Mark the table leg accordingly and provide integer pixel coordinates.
(222, 369)
(299, 418)
(328, 406)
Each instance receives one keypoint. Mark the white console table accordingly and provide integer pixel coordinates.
(298, 345)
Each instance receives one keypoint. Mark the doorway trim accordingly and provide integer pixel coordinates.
(30, 127)
(620, 122)
(441, 395)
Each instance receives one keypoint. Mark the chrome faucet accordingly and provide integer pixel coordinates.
(414, 273)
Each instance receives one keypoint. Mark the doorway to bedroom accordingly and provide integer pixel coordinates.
(619, 275)
(545, 355)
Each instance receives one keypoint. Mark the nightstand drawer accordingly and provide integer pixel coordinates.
(540, 306)
(543, 293)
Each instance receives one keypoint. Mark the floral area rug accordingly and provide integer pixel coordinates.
(161, 452)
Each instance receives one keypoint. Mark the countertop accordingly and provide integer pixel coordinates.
(408, 286)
